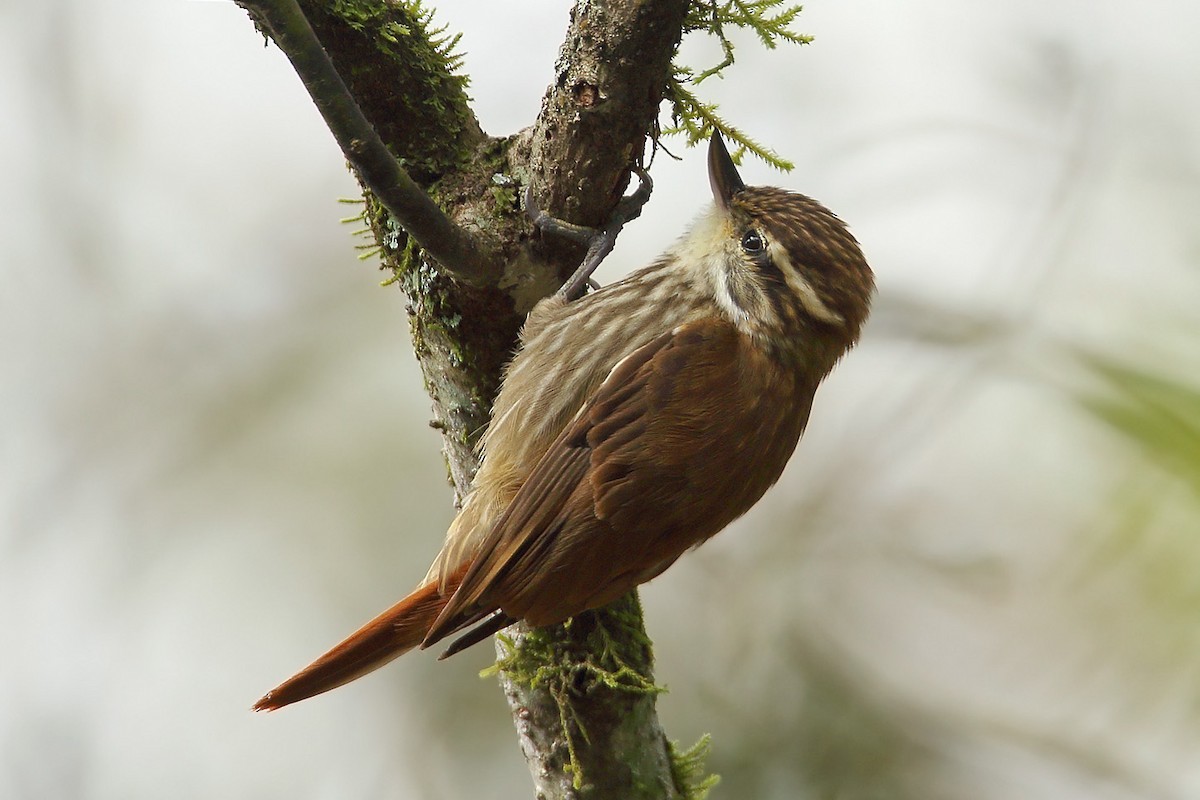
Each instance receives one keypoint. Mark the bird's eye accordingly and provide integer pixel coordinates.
(753, 243)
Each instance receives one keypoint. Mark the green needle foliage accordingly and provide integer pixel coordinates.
(696, 119)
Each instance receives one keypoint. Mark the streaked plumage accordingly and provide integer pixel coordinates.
(635, 423)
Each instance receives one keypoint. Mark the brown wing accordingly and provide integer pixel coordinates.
(683, 436)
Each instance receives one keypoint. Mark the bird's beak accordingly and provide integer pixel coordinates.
(722, 174)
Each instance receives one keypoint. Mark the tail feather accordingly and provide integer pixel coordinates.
(391, 634)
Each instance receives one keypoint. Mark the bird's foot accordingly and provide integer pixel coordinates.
(599, 241)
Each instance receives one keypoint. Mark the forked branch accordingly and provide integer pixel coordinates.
(462, 255)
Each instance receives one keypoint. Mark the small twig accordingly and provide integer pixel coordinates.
(456, 250)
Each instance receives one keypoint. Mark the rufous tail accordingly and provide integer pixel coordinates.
(391, 634)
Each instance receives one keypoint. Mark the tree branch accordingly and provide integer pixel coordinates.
(458, 252)
(581, 694)
(612, 70)
(403, 84)
(583, 701)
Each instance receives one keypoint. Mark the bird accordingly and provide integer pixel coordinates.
(633, 424)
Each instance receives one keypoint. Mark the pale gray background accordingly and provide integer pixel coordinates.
(214, 458)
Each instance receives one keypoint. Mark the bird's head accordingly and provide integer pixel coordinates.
(780, 265)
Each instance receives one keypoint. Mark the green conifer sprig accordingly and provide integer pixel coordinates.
(696, 119)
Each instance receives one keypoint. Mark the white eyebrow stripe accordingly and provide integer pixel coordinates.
(809, 298)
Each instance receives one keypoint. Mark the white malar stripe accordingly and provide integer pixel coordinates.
(809, 298)
(725, 300)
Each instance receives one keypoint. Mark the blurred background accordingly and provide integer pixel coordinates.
(979, 577)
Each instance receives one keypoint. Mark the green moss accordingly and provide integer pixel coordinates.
(605, 656)
(504, 199)
(691, 777)
(427, 85)
(613, 653)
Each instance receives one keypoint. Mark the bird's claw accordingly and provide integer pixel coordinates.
(599, 241)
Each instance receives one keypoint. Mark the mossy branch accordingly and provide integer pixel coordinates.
(459, 252)
(404, 72)
(588, 714)
(584, 695)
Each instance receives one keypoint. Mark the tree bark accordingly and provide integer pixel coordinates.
(581, 693)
